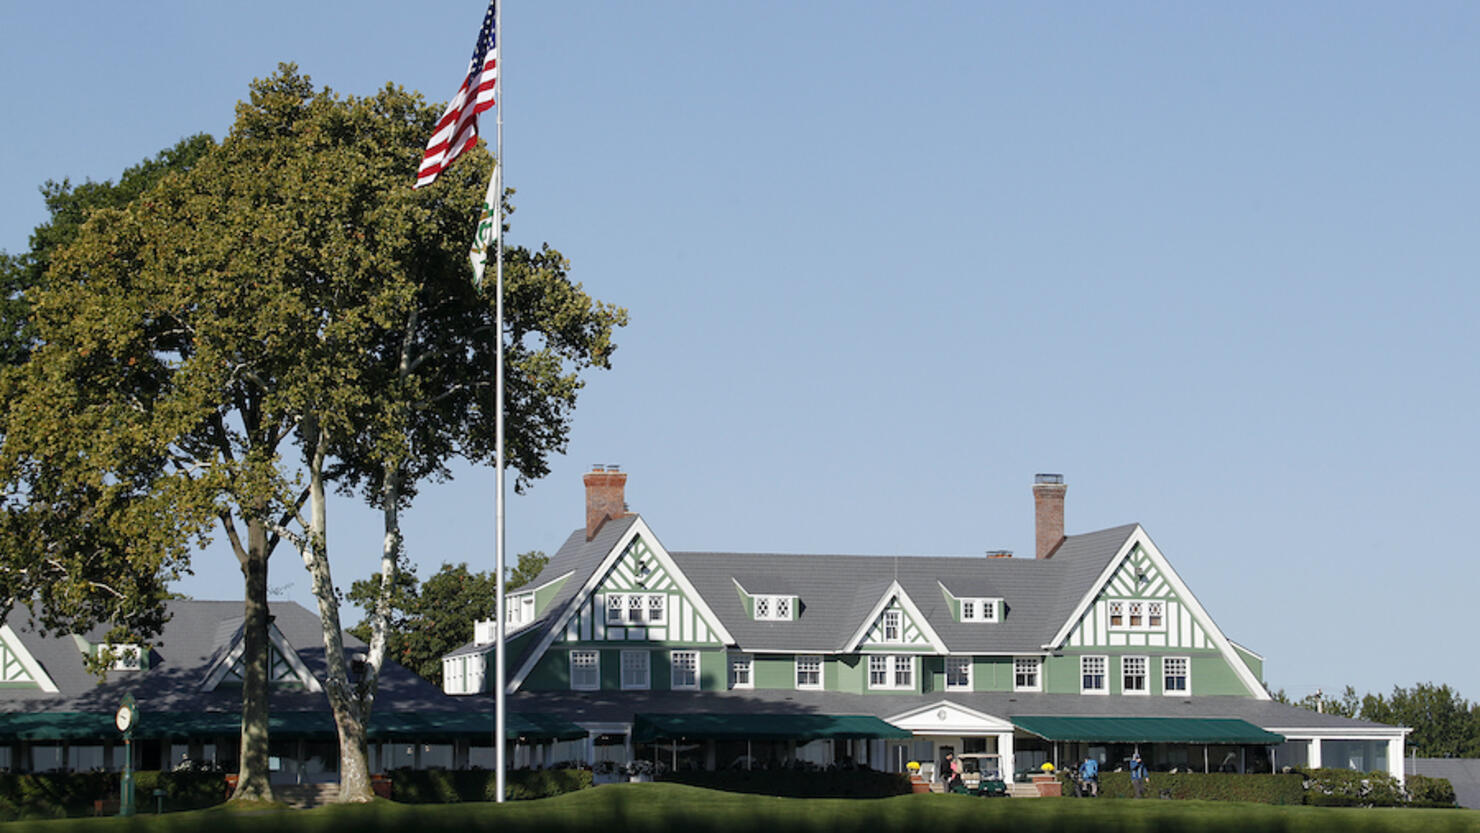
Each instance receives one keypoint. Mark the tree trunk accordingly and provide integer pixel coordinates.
(354, 758)
(253, 782)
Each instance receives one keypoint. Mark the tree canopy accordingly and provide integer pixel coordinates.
(282, 313)
(432, 618)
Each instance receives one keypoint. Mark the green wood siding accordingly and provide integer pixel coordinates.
(543, 595)
(1255, 664)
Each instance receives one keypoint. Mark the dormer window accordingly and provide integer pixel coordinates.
(979, 610)
(519, 610)
(126, 657)
(773, 608)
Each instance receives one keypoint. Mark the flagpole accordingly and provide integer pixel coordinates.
(499, 735)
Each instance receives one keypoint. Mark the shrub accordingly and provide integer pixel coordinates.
(1212, 786)
(798, 784)
(438, 786)
(57, 795)
(1348, 788)
(1424, 791)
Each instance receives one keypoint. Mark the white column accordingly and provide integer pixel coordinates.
(1009, 763)
(1313, 756)
(1395, 759)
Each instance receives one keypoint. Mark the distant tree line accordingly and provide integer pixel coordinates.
(1444, 724)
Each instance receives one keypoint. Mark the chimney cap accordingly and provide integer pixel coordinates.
(1048, 478)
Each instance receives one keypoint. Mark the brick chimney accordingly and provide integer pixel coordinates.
(606, 490)
(1048, 512)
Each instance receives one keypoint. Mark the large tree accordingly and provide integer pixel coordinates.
(77, 550)
(432, 618)
(1444, 724)
(286, 315)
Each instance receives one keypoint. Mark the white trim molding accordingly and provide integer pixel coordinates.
(33, 668)
(1138, 537)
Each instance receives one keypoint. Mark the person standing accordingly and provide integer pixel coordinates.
(1139, 776)
(1089, 775)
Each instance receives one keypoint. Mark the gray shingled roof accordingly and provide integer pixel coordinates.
(837, 592)
(197, 633)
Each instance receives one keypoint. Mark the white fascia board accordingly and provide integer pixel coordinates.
(936, 643)
(1337, 733)
(38, 674)
(1139, 536)
(1094, 590)
(304, 675)
(573, 605)
(958, 718)
(1247, 650)
(218, 672)
(539, 587)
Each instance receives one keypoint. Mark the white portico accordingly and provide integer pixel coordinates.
(965, 731)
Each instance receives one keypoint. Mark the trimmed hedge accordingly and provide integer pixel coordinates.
(439, 786)
(794, 784)
(1213, 786)
(58, 795)
(1424, 791)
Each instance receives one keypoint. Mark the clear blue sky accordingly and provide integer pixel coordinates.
(885, 261)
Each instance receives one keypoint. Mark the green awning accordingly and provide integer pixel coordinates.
(1147, 730)
(650, 727)
(56, 726)
(427, 725)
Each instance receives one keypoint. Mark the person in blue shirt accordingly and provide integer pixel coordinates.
(1089, 774)
(1139, 777)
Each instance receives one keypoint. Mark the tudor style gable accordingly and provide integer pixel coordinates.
(285, 667)
(1139, 602)
(896, 624)
(636, 596)
(18, 669)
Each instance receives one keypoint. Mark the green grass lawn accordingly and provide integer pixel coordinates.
(658, 808)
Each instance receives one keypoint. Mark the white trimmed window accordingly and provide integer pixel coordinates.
(1176, 675)
(958, 673)
(893, 632)
(978, 610)
(1027, 674)
(891, 671)
(684, 672)
(636, 671)
(741, 666)
(1133, 675)
(1136, 614)
(878, 671)
(773, 608)
(809, 672)
(519, 610)
(636, 609)
(1092, 678)
(126, 656)
(585, 670)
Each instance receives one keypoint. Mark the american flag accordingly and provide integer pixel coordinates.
(457, 130)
